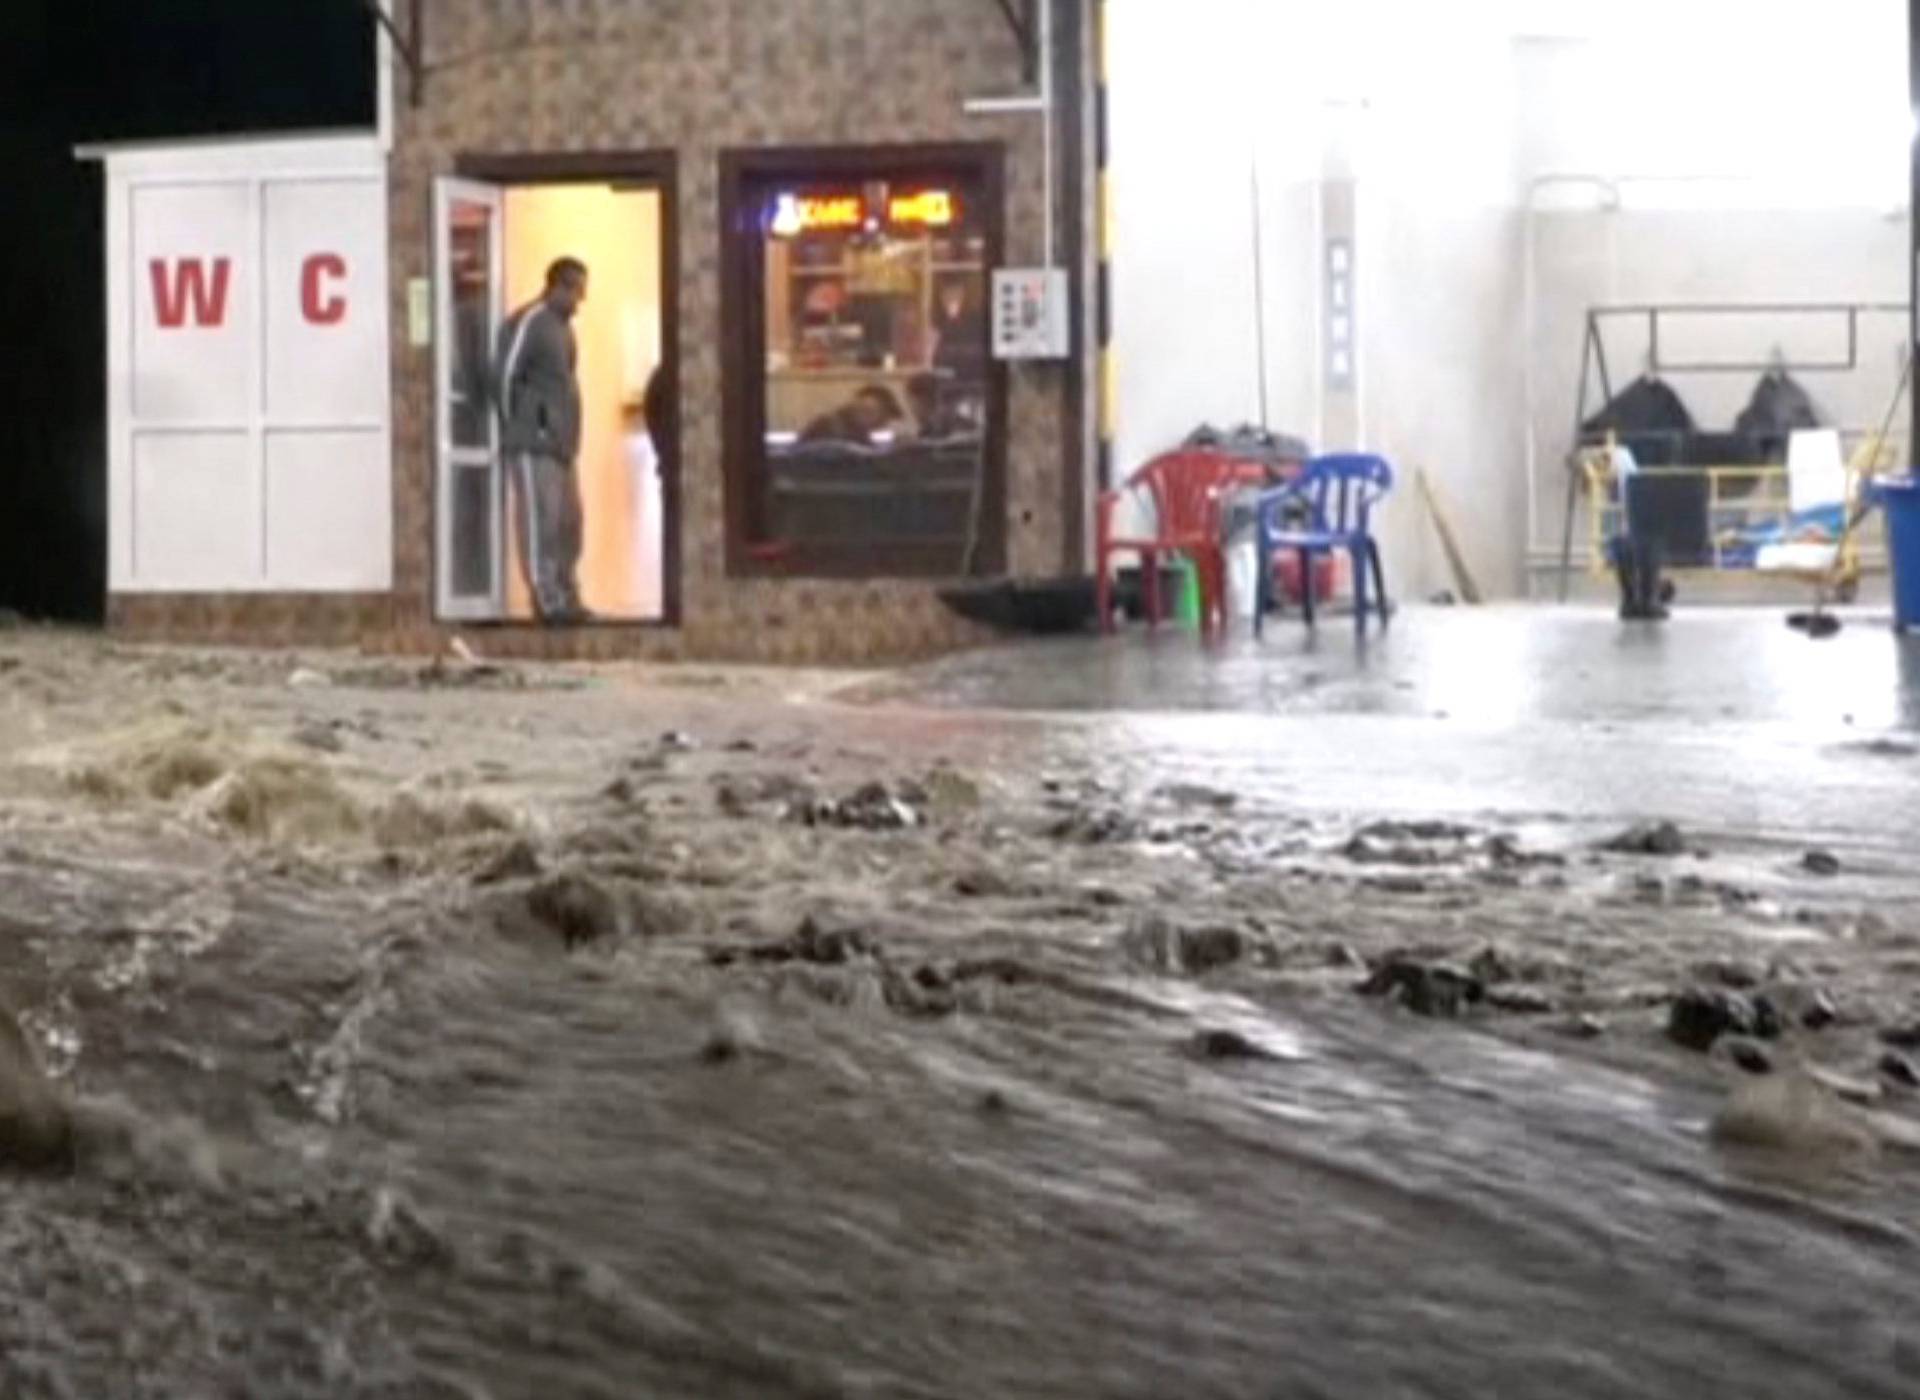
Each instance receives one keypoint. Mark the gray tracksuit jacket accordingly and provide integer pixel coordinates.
(536, 390)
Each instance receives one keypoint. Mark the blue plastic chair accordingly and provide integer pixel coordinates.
(1336, 494)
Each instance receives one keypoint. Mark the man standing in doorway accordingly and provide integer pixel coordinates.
(540, 439)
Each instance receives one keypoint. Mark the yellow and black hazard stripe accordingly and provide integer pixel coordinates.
(1103, 276)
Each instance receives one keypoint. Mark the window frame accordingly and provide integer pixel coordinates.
(744, 176)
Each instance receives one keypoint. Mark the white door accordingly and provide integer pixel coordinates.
(470, 490)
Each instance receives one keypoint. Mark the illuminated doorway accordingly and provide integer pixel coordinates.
(496, 241)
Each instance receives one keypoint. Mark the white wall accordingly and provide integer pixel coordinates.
(1797, 112)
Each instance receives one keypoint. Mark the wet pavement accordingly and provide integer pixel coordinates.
(1017, 1026)
(1481, 666)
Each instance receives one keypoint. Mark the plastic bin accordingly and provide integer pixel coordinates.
(1899, 497)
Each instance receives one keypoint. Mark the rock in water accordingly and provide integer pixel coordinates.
(1701, 1015)
(1227, 1045)
(1649, 839)
(1820, 863)
(1426, 989)
(36, 1125)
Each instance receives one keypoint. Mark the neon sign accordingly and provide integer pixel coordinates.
(929, 209)
(794, 214)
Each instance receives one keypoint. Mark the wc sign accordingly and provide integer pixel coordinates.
(194, 291)
(253, 295)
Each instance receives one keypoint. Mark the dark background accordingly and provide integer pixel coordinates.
(118, 70)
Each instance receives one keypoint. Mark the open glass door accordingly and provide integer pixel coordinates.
(470, 504)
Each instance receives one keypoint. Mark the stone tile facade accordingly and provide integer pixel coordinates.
(696, 77)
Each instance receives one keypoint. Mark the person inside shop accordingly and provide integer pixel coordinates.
(540, 426)
(959, 334)
(1636, 551)
(935, 413)
(872, 410)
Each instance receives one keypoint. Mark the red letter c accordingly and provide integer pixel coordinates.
(319, 308)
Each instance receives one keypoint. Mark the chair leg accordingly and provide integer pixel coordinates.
(1306, 585)
(1263, 581)
(1361, 563)
(1380, 585)
(1103, 590)
(1150, 586)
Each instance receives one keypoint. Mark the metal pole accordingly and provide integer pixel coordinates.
(1913, 215)
(1260, 288)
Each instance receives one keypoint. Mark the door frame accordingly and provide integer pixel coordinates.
(446, 191)
(659, 170)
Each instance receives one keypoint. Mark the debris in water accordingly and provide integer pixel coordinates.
(1521, 1001)
(1749, 1055)
(576, 909)
(1819, 862)
(873, 807)
(517, 860)
(812, 942)
(322, 738)
(1426, 989)
(1701, 1015)
(678, 741)
(1819, 1011)
(1648, 839)
(1899, 1069)
(1228, 1045)
(1791, 1111)
(36, 1124)
(1090, 827)
(1198, 795)
(1160, 943)
(1729, 972)
(1583, 1028)
(306, 678)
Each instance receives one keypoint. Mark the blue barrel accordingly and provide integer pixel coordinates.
(1900, 498)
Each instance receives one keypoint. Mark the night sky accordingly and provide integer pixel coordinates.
(118, 70)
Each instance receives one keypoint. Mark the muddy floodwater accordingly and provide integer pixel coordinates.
(456, 1031)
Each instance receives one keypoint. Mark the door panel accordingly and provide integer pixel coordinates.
(470, 496)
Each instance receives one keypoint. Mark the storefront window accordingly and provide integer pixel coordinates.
(874, 394)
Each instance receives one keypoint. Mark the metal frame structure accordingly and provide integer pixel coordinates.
(1593, 357)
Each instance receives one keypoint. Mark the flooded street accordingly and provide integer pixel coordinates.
(503, 1032)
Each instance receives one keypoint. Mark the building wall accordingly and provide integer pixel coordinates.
(698, 77)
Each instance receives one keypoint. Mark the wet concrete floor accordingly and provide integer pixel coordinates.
(1501, 665)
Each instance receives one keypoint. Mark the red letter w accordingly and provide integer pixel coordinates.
(188, 284)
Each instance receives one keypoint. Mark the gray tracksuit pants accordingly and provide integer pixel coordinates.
(548, 519)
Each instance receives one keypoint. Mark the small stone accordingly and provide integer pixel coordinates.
(1582, 1028)
(1817, 862)
(1649, 839)
(1768, 1023)
(619, 790)
(993, 1103)
(742, 746)
(1902, 1037)
(982, 883)
(1700, 1016)
(677, 741)
(1490, 964)
(1899, 1069)
(306, 678)
(1197, 795)
(1749, 1055)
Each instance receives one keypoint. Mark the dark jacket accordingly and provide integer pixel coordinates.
(538, 393)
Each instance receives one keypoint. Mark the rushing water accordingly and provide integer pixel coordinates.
(361, 1124)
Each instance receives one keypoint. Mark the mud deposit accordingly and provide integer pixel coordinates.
(519, 1034)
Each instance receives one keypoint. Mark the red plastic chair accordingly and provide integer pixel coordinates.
(1187, 488)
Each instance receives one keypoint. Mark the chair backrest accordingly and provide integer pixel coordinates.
(1186, 487)
(1342, 489)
